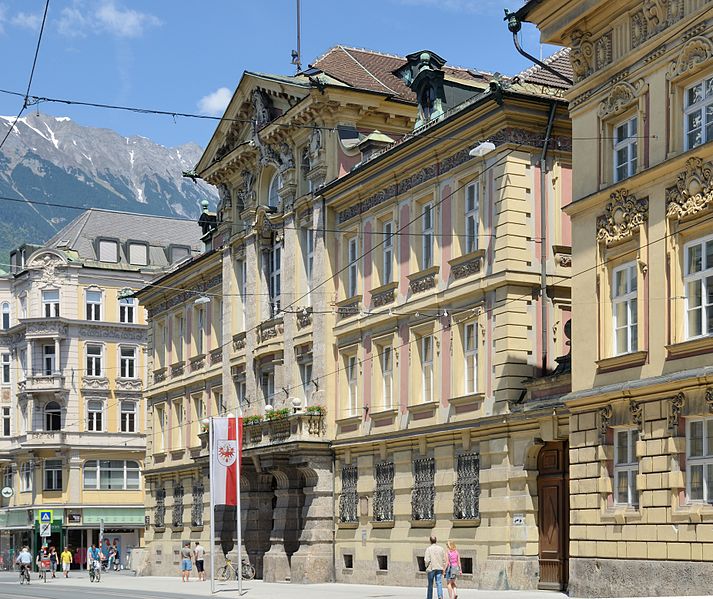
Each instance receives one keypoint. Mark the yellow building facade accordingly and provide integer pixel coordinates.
(641, 424)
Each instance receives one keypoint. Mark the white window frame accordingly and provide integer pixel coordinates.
(6, 430)
(470, 357)
(50, 304)
(352, 266)
(306, 378)
(177, 441)
(274, 272)
(626, 466)
(702, 461)
(386, 360)
(701, 277)
(26, 477)
(94, 305)
(242, 289)
(626, 148)
(427, 232)
(471, 207)
(6, 361)
(143, 259)
(200, 330)
(96, 466)
(128, 364)
(180, 332)
(160, 432)
(628, 299)
(128, 417)
(387, 267)
(94, 361)
(52, 474)
(46, 412)
(95, 418)
(700, 106)
(426, 358)
(352, 372)
(309, 262)
(5, 316)
(49, 359)
(127, 310)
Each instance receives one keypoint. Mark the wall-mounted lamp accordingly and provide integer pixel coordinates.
(483, 148)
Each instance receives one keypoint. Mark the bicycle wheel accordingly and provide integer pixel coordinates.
(91, 574)
(224, 573)
(248, 571)
(98, 575)
(22, 576)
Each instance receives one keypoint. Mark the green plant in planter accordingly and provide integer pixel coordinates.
(248, 420)
(315, 410)
(280, 414)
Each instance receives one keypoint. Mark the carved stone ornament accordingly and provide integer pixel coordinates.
(315, 145)
(637, 414)
(582, 54)
(466, 269)
(304, 318)
(693, 192)
(287, 159)
(709, 399)
(622, 217)
(639, 29)
(384, 298)
(602, 51)
(675, 405)
(423, 283)
(262, 108)
(605, 414)
(695, 52)
(621, 96)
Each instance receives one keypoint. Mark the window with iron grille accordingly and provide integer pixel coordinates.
(160, 511)
(177, 506)
(348, 500)
(466, 491)
(197, 507)
(424, 491)
(384, 495)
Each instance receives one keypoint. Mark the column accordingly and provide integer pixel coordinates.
(57, 356)
(30, 348)
(257, 519)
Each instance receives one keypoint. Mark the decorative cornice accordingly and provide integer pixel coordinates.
(183, 296)
(605, 414)
(115, 333)
(693, 192)
(95, 383)
(623, 215)
(637, 414)
(423, 280)
(270, 329)
(621, 96)
(675, 407)
(694, 52)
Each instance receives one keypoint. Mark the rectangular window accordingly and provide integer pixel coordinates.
(309, 262)
(50, 303)
(387, 377)
(5, 369)
(427, 237)
(23, 306)
(267, 385)
(138, 254)
(53, 475)
(242, 273)
(128, 416)
(275, 279)
(108, 251)
(6, 428)
(426, 369)
(472, 207)
(26, 476)
(111, 475)
(94, 305)
(200, 328)
(127, 310)
(470, 354)
(626, 466)
(180, 332)
(306, 376)
(127, 363)
(8, 478)
(160, 432)
(466, 491)
(178, 411)
(5, 316)
(179, 253)
(95, 413)
(388, 253)
(49, 360)
(241, 389)
(353, 267)
(698, 113)
(352, 384)
(624, 308)
(699, 465)
(625, 149)
(94, 360)
(698, 284)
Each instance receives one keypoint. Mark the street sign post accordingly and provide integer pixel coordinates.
(45, 529)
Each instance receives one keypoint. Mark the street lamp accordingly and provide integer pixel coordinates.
(483, 148)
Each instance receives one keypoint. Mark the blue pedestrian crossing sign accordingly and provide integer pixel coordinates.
(45, 516)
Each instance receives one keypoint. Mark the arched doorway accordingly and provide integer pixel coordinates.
(553, 515)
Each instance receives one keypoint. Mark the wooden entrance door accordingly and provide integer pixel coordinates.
(553, 522)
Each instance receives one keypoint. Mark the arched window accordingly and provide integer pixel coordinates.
(5, 315)
(53, 416)
(273, 198)
(111, 475)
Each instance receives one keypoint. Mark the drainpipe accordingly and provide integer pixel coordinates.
(543, 235)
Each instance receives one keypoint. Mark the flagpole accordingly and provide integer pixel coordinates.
(212, 506)
(237, 507)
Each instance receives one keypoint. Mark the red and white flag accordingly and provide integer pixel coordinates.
(227, 450)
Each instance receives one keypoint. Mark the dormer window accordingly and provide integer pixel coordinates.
(108, 251)
(178, 252)
(138, 254)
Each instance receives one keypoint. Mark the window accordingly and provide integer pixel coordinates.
(95, 412)
(267, 384)
(353, 388)
(472, 207)
(180, 331)
(23, 305)
(625, 309)
(274, 269)
(23, 418)
(162, 343)
(241, 389)
(50, 303)
(26, 476)
(138, 254)
(306, 377)
(128, 416)
(5, 380)
(49, 360)
(127, 310)
(625, 466)
(94, 304)
(6, 428)
(427, 237)
(8, 477)
(23, 362)
(111, 475)
(699, 465)
(698, 113)
(160, 431)
(424, 490)
(387, 267)
(470, 353)
(349, 498)
(220, 405)
(426, 347)
(242, 273)
(108, 251)
(466, 491)
(698, 282)
(94, 360)
(179, 252)
(200, 326)
(218, 323)
(387, 377)
(273, 196)
(384, 492)
(308, 261)
(353, 267)
(5, 316)
(53, 475)
(127, 363)
(625, 149)
(53, 416)
(178, 411)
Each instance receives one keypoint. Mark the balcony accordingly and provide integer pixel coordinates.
(295, 428)
(100, 440)
(42, 383)
(43, 328)
(270, 331)
(216, 356)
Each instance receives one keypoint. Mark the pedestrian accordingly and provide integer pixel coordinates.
(435, 560)
(199, 555)
(186, 561)
(54, 558)
(112, 557)
(66, 559)
(453, 569)
(117, 556)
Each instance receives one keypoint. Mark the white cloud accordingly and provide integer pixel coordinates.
(79, 19)
(215, 104)
(27, 20)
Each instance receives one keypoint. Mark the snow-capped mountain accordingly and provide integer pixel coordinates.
(54, 159)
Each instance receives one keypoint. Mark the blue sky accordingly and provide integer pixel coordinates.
(182, 55)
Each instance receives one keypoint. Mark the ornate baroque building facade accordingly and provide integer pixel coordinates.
(72, 346)
(641, 424)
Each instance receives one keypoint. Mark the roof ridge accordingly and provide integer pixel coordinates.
(367, 71)
(548, 60)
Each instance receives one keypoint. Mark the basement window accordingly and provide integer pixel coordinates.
(348, 561)
(421, 563)
(383, 562)
(466, 564)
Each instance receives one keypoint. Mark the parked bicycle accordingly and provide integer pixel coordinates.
(229, 571)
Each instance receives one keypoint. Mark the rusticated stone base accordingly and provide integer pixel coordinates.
(591, 577)
(310, 566)
(509, 574)
(276, 566)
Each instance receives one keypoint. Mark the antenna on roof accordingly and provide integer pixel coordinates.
(297, 54)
